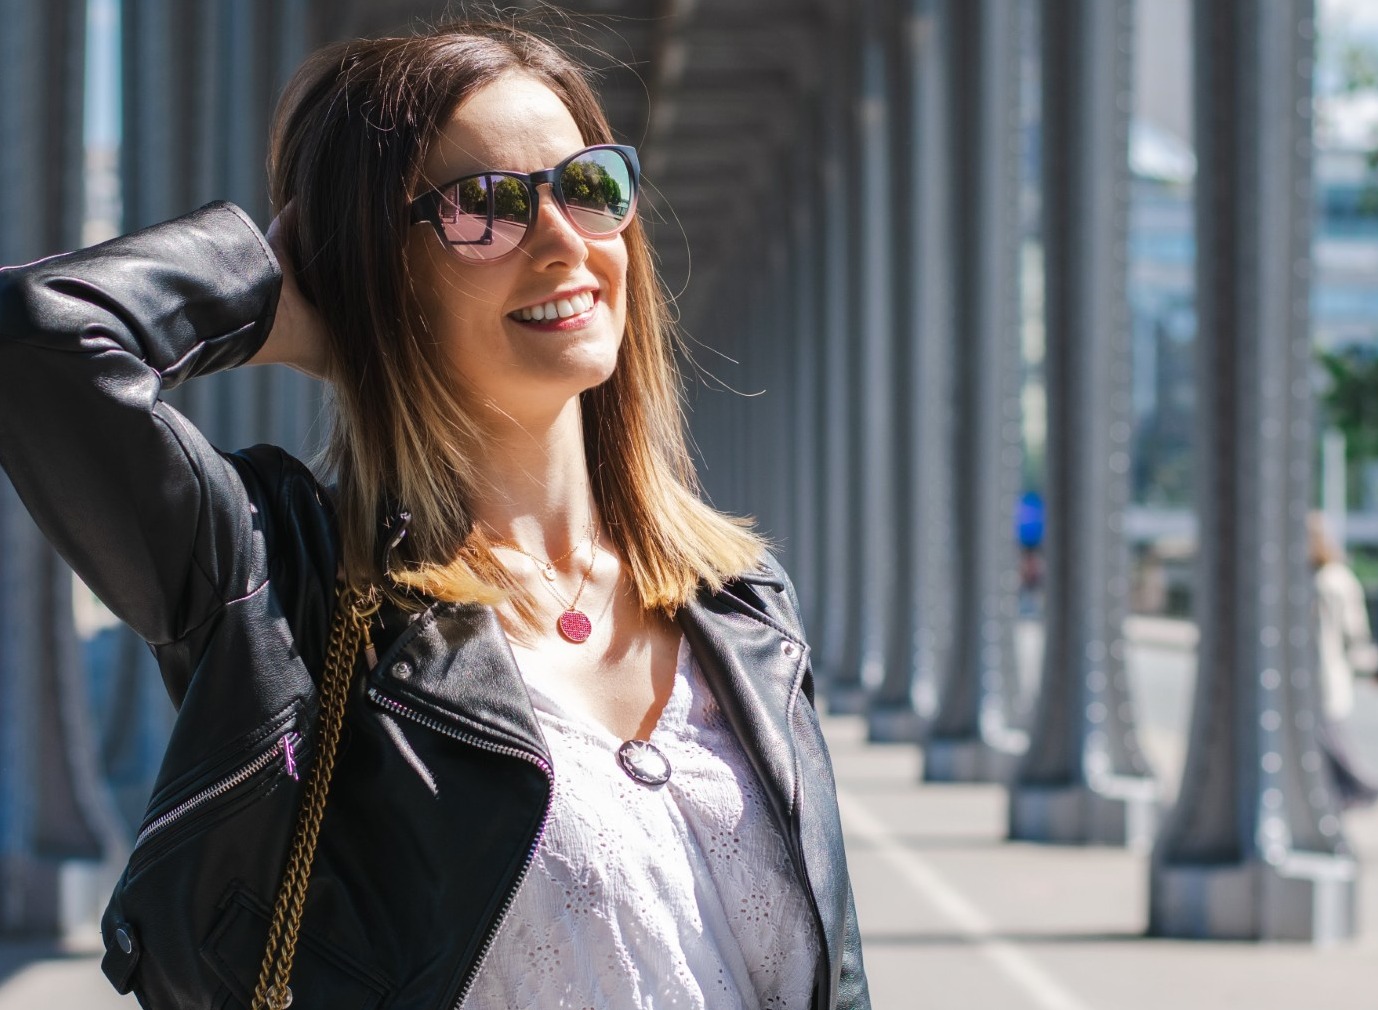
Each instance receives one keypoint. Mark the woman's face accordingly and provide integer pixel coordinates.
(526, 369)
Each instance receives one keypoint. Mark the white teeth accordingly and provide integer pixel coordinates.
(561, 308)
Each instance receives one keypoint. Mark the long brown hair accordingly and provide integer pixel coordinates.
(348, 142)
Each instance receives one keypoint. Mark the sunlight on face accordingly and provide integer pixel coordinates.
(527, 333)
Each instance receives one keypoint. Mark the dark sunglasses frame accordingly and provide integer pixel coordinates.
(426, 207)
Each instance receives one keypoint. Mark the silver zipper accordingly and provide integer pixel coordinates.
(284, 746)
(421, 718)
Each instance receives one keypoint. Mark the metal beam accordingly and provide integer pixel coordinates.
(916, 642)
(55, 815)
(971, 738)
(1085, 778)
(1254, 848)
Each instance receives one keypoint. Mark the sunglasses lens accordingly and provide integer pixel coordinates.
(485, 216)
(598, 192)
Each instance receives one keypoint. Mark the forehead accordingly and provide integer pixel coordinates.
(516, 123)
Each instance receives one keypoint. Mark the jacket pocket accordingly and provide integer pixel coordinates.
(274, 759)
(324, 977)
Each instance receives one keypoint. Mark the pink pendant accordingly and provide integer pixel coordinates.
(575, 626)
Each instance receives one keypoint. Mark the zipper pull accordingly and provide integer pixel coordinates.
(289, 757)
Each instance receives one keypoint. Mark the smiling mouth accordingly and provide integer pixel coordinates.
(556, 309)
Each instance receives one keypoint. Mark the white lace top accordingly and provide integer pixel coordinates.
(680, 895)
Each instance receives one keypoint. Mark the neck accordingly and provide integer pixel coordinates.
(533, 484)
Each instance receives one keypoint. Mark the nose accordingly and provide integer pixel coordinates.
(553, 239)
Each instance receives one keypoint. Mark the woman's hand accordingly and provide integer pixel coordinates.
(297, 338)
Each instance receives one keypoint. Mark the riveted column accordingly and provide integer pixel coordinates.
(907, 695)
(776, 378)
(871, 561)
(842, 678)
(1085, 778)
(970, 738)
(56, 820)
(200, 84)
(802, 356)
(1254, 848)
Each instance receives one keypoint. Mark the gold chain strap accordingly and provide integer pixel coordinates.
(348, 632)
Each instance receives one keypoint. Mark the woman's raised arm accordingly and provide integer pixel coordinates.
(146, 511)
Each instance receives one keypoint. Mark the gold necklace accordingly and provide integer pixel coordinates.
(573, 624)
(547, 567)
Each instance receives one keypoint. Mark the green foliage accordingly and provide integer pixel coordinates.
(1358, 68)
(1350, 402)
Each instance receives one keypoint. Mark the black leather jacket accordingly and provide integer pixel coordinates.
(226, 564)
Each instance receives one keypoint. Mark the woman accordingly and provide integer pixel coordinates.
(580, 764)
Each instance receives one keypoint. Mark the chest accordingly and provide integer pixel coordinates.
(620, 680)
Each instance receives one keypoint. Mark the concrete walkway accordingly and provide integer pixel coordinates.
(955, 917)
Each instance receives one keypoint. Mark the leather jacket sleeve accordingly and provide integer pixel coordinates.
(853, 992)
(146, 511)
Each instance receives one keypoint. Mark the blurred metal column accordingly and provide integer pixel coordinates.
(774, 334)
(56, 821)
(1085, 778)
(817, 594)
(803, 357)
(1254, 848)
(872, 560)
(907, 696)
(970, 738)
(200, 84)
(841, 679)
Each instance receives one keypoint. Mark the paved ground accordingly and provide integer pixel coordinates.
(954, 917)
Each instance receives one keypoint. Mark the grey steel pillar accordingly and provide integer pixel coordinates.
(872, 560)
(200, 83)
(1085, 778)
(1254, 848)
(841, 679)
(970, 738)
(775, 335)
(802, 357)
(915, 643)
(56, 822)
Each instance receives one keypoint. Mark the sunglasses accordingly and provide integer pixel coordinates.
(487, 216)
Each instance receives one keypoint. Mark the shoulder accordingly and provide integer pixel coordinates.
(1337, 578)
(769, 589)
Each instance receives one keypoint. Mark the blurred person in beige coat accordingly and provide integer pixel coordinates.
(1346, 650)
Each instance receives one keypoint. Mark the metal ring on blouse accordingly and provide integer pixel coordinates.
(644, 762)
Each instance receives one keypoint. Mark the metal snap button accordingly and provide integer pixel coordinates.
(273, 1000)
(789, 648)
(125, 941)
(402, 670)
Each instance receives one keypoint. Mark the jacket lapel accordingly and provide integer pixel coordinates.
(454, 661)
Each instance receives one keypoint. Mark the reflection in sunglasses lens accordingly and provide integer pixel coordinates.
(485, 216)
(597, 191)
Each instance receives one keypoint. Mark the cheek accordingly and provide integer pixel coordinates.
(452, 296)
(617, 278)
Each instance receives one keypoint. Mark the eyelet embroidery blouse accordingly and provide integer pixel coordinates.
(681, 895)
